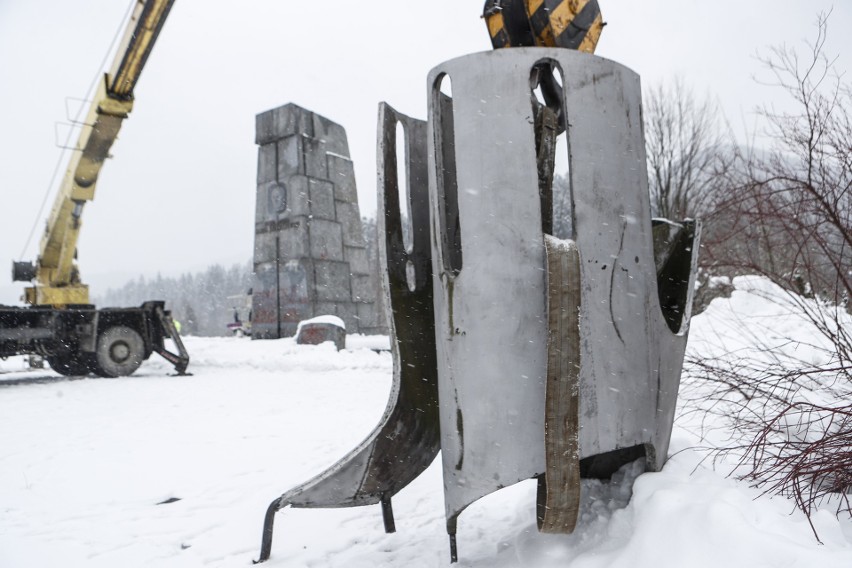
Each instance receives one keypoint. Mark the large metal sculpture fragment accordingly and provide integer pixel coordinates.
(534, 352)
(406, 440)
(557, 358)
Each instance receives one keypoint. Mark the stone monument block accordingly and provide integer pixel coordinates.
(326, 244)
(350, 221)
(314, 158)
(326, 308)
(281, 122)
(309, 256)
(321, 194)
(367, 317)
(298, 195)
(290, 156)
(363, 287)
(316, 332)
(342, 173)
(266, 164)
(348, 312)
(358, 259)
(333, 135)
(332, 281)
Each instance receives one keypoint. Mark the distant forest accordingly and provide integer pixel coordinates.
(203, 303)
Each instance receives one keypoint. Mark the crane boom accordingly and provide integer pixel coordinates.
(57, 280)
(139, 40)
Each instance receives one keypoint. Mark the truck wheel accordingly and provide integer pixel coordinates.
(120, 351)
(69, 365)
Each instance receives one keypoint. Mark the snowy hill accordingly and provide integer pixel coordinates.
(87, 468)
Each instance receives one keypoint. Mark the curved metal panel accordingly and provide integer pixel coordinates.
(490, 324)
(407, 439)
(491, 316)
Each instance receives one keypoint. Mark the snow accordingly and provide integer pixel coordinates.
(719, 281)
(760, 322)
(332, 320)
(84, 464)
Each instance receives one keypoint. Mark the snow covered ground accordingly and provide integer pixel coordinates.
(87, 468)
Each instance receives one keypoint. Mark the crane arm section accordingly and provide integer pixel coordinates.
(139, 40)
(57, 278)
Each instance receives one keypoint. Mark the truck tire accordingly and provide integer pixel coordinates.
(70, 365)
(120, 351)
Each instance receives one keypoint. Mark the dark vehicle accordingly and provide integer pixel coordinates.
(78, 340)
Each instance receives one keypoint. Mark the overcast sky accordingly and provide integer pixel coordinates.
(179, 193)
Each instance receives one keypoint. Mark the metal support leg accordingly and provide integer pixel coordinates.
(387, 514)
(268, 522)
(451, 530)
(180, 359)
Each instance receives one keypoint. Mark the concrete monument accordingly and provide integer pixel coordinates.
(310, 257)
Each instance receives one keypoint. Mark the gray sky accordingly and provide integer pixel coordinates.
(179, 193)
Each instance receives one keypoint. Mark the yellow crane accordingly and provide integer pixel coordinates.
(61, 324)
(57, 279)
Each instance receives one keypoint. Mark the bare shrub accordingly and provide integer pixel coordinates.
(783, 391)
(787, 215)
(787, 212)
(812, 463)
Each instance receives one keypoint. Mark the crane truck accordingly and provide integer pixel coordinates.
(59, 323)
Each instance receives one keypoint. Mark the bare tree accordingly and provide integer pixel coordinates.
(787, 215)
(685, 150)
(789, 412)
(685, 156)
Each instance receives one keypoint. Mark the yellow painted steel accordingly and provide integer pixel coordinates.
(545, 38)
(55, 267)
(137, 44)
(559, 18)
(563, 14)
(58, 297)
(533, 5)
(592, 36)
(495, 24)
(546, 21)
(57, 281)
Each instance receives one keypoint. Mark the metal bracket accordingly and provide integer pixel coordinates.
(180, 359)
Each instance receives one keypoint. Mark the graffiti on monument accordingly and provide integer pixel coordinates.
(293, 290)
(264, 306)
